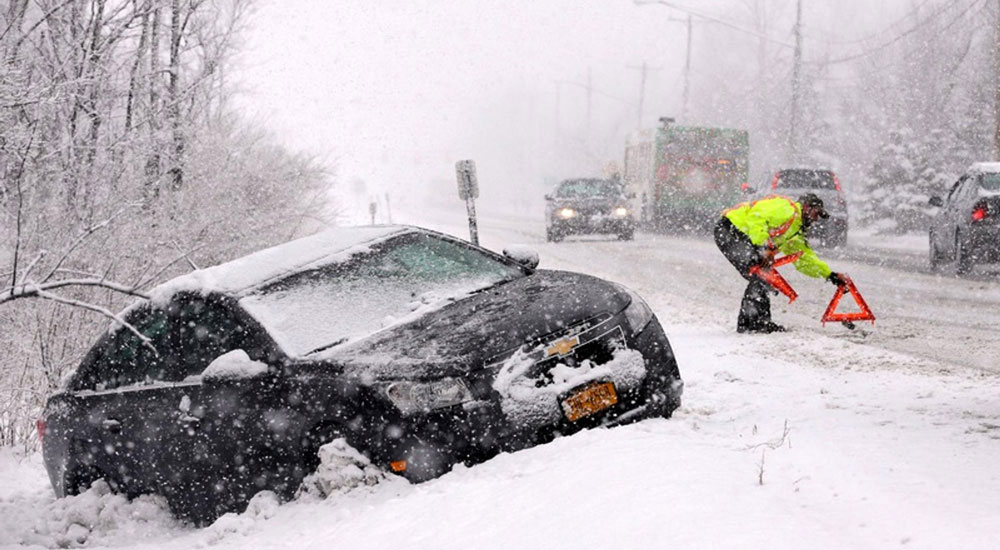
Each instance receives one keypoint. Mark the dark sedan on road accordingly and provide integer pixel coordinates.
(588, 205)
(420, 350)
(966, 229)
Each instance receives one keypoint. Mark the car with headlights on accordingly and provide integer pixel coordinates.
(588, 205)
(420, 350)
(966, 227)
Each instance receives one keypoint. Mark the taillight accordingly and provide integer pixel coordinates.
(40, 428)
(774, 182)
(836, 183)
(979, 214)
(744, 186)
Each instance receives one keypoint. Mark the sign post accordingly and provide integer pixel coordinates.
(468, 190)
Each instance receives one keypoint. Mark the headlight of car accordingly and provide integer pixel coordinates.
(637, 313)
(621, 211)
(412, 397)
(566, 213)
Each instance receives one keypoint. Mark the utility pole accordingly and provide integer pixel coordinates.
(996, 92)
(558, 114)
(687, 73)
(645, 68)
(796, 85)
(687, 60)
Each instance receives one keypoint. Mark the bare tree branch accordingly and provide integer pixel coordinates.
(31, 290)
(83, 237)
(103, 311)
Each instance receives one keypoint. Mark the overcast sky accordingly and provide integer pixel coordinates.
(394, 92)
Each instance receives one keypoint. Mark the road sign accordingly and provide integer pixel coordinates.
(468, 186)
(468, 191)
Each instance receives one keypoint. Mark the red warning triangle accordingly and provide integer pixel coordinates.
(773, 278)
(831, 314)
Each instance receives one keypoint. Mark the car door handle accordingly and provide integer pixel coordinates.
(112, 425)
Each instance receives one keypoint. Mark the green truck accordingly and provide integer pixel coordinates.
(683, 177)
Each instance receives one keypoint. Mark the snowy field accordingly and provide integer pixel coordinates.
(884, 437)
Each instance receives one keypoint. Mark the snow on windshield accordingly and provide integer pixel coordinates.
(587, 188)
(396, 282)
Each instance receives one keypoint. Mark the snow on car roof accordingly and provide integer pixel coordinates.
(264, 266)
(985, 167)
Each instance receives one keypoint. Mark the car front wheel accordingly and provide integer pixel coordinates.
(963, 256)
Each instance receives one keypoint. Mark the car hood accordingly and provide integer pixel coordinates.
(478, 330)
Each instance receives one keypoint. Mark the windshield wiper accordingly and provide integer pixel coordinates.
(327, 346)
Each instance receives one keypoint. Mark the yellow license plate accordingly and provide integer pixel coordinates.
(591, 399)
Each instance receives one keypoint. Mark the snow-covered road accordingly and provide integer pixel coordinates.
(820, 437)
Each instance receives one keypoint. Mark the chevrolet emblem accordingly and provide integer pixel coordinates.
(562, 347)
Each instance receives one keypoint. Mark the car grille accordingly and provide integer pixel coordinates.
(598, 350)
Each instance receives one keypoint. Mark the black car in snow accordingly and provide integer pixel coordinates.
(419, 349)
(588, 205)
(966, 229)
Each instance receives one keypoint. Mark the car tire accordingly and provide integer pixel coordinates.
(626, 235)
(79, 477)
(553, 236)
(963, 256)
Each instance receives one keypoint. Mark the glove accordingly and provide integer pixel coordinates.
(837, 279)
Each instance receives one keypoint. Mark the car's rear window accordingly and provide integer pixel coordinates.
(806, 179)
(990, 182)
(392, 283)
(587, 188)
(185, 335)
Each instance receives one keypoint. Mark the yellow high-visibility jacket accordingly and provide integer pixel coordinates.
(776, 222)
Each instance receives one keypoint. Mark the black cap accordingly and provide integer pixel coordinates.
(811, 200)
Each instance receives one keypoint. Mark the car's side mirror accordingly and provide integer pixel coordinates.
(548, 197)
(232, 366)
(523, 255)
(936, 201)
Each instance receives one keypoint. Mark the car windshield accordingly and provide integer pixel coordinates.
(587, 188)
(991, 182)
(806, 179)
(396, 281)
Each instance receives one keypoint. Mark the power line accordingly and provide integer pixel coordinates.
(597, 91)
(715, 19)
(906, 33)
(945, 7)
(873, 36)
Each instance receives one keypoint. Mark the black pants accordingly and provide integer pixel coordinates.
(755, 310)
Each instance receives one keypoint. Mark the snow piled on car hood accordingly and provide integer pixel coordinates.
(271, 264)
